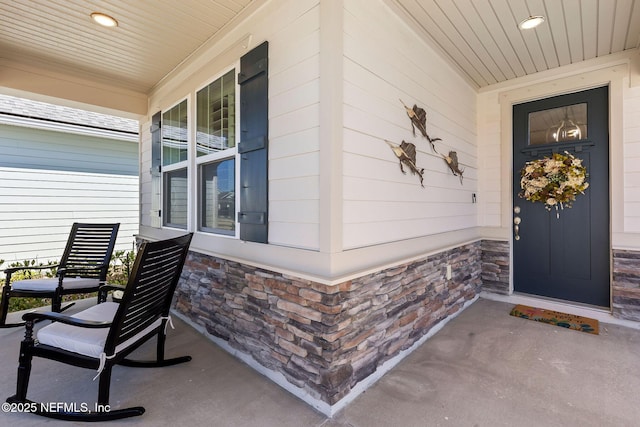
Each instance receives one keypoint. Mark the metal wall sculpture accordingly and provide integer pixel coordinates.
(418, 118)
(452, 162)
(406, 152)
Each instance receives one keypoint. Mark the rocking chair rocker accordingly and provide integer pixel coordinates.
(82, 269)
(104, 334)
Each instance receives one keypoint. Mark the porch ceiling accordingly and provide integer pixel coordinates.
(481, 37)
(151, 39)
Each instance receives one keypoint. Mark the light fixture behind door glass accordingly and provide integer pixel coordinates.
(562, 124)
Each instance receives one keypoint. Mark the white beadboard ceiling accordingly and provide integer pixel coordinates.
(154, 36)
(483, 39)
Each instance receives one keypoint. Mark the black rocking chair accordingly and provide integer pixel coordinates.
(104, 334)
(82, 269)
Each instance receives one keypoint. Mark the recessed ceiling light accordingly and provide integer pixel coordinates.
(104, 20)
(531, 22)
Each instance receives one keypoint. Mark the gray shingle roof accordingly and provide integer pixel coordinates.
(41, 110)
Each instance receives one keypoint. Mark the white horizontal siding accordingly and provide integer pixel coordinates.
(631, 151)
(490, 175)
(381, 232)
(380, 68)
(294, 146)
(53, 179)
(39, 206)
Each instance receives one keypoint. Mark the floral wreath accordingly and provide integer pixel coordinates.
(555, 180)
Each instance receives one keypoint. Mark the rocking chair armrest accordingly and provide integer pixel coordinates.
(57, 317)
(12, 270)
(104, 289)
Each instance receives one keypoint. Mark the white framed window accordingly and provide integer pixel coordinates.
(200, 156)
(175, 143)
(216, 154)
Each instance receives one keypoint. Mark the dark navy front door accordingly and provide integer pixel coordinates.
(565, 257)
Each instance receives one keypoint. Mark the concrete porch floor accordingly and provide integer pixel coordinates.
(484, 368)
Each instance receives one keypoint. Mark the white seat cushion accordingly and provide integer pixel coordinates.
(50, 284)
(88, 341)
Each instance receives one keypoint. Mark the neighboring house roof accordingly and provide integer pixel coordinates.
(25, 112)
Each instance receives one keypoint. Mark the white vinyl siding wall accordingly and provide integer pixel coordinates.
(385, 62)
(490, 173)
(294, 142)
(631, 108)
(48, 180)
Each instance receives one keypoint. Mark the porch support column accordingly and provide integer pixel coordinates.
(331, 126)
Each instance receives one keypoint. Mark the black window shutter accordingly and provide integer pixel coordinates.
(254, 144)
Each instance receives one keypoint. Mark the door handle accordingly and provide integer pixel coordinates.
(516, 223)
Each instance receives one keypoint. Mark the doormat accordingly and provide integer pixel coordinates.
(571, 321)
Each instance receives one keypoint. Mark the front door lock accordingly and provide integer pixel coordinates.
(516, 223)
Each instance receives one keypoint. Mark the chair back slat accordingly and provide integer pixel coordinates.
(90, 246)
(150, 289)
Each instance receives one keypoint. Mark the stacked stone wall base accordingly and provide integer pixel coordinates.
(325, 339)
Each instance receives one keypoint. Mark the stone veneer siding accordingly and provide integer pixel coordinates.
(325, 339)
(495, 266)
(626, 284)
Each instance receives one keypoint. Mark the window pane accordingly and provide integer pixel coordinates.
(561, 124)
(175, 198)
(174, 134)
(218, 196)
(215, 121)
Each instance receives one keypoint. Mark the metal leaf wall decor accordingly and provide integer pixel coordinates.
(406, 153)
